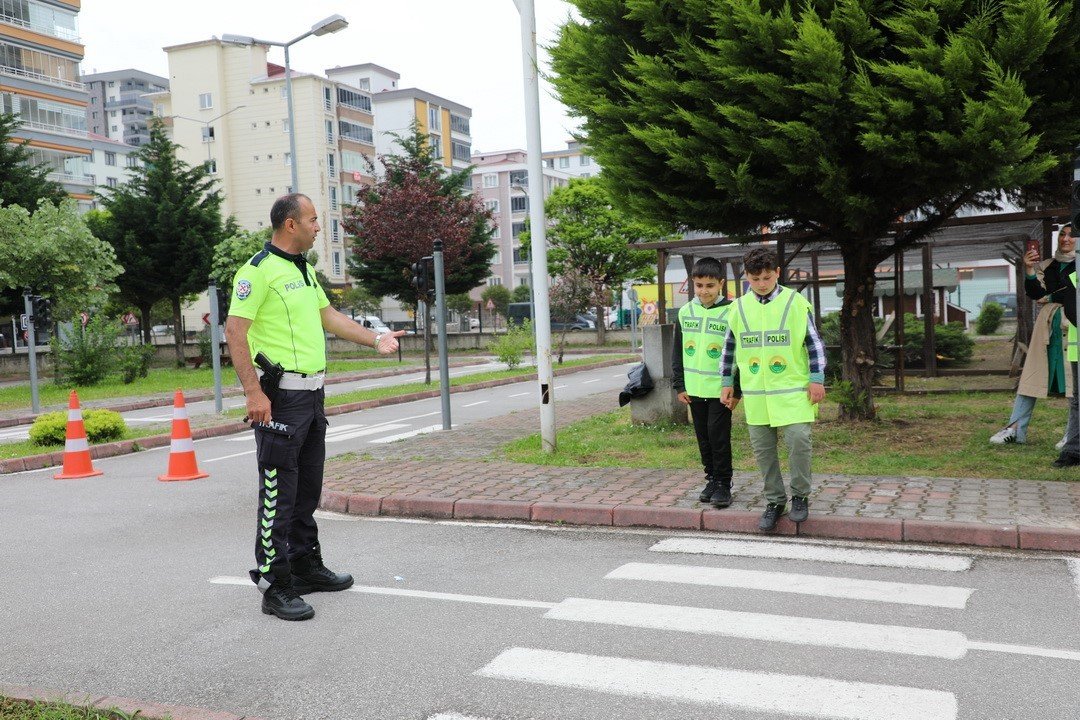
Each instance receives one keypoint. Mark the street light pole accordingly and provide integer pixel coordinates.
(537, 230)
(292, 123)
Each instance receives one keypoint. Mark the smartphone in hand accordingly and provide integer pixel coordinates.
(1035, 246)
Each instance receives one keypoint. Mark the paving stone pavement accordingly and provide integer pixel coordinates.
(456, 464)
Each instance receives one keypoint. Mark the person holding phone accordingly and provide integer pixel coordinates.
(1045, 366)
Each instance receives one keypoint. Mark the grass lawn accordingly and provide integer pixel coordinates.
(160, 380)
(16, 710)
(930, 436)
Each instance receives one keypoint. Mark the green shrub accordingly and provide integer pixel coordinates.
(135, 362)
(511, 347)
(989, 318)
(953, 345)
(101, 426)
(87, 355)
(206, 347)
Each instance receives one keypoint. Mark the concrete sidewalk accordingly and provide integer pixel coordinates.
(445, 475)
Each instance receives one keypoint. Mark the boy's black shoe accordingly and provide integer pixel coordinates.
(722, 497)
(280, 599)
(1066, 460)
(310, 575)
(771, 516)
(799, 508)
(710, 488)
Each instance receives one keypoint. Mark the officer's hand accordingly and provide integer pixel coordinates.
(816, 393)
(389, 343)
(684, 398)
(727, 394)
(258, 407)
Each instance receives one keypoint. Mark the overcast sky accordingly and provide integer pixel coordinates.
(468, 51)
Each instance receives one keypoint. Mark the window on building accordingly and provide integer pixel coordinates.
(211, 167)
(496, 232)
(331, 163)
(436, 147)
(496, 259)
(159, 110)
(586, 175)
(112, 113)
(492, 205)
(93, 100)
(523, 280)
(516, 229)
(336, 262)
(208, 134)
(364, 84)
(521, 256)
(468, 183)
(434, 118)
(519, 203)
(585, 161)
(461, 151)
(95, 115)
(494, 280)
(459, 124)
(328, 99)
(132, 161)
(110, 158)
(353, 162)
(288, 159)
(333, 197)
(564, 161)
(112, 83)
(550, 163)
(112, 182)
(335, 230)
(356, 132)
(354, 100)
(92, 179)
(330, 132)
(285, 125)
(519, 178)
(115, 128)
(351, 192)
(491, 180)
(206, 101)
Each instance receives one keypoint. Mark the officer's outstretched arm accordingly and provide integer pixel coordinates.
(348, 329)
(236, 331)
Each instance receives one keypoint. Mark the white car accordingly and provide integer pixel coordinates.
(373, 323)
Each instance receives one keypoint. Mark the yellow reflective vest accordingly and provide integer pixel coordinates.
(1071, 350)
(774, 366)
(703, 333)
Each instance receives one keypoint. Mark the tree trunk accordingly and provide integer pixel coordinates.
(178, 333)
(144, 320)
(857, 339)
(601, 325)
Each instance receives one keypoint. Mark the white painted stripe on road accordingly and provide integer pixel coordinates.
(838, 587)
(455, 716)
(422, 594)
(559, 387)
(479, 402)
(353, 434)
(795, 695)
(156, 418)
(846, 556)
(590, 381)
(619, 375)
(770, 628)
(1025, 650)
(226, 457)
(519, 394)
(402, 436)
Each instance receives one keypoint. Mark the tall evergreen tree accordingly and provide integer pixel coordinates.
(164, 224)
(398, 219)
(21, 182)
(830, 117)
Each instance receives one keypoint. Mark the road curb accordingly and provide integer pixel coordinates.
(129, 706)
(125, 447)
(1025, 537)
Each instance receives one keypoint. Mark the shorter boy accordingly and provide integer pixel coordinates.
(781, 361)
(699, 337)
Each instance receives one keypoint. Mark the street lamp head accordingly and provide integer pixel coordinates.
(329, 25)
(238, 39)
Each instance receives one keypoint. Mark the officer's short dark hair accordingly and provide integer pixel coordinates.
(285, 207)
(708, 267)
(759, 259)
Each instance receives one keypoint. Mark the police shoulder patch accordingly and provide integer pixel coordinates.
(243, 289)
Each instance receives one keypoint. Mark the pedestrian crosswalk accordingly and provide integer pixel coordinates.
(384, 432)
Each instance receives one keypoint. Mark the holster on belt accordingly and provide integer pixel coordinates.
(271, 377)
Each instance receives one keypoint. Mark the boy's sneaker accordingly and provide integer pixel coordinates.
(799, 508)
(771, 516)
(1061, 443)
(1006, 435)
(722, 497)
(710, 488)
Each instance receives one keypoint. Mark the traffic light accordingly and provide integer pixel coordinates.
(423, 279)
(40, 309)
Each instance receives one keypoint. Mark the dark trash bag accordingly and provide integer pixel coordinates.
(640, 384)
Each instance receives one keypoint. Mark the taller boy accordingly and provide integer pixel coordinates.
(781, 362)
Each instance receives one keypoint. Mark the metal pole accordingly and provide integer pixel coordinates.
(440, 313)
(538, 228)
(293, 160)
(215, 344)
(633, 296)
(31, 332)
(898, 317)
(929, 326)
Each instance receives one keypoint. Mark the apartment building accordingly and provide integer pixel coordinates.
(445, 122)
(109, 165)
(574, 161)
(40, 53)
(501, 180)
(226, 107)
(117, 108)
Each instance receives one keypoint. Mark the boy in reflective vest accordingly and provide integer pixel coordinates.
(781, 361)
(699, 338)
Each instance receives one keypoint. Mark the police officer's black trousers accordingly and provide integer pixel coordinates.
(712, 425)
(290, 482)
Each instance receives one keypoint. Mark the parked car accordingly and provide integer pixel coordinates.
(161, 330)
(1005, 300)
(580, 322)
(474, 323)
(373, 323)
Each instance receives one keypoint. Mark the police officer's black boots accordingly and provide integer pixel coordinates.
(722, 497)
(310, 575)
(281, 599)
(710, 488)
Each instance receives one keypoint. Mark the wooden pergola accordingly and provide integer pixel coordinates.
(803, 261)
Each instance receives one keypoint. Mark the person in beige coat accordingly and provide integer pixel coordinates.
(1044, 367)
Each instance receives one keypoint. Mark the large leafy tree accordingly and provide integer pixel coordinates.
(833, 118)
(21, 182)
(589, 234)
(53, 253)
(164, 224)
(399, 218)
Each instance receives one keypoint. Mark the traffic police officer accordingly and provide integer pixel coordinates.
(277, 315)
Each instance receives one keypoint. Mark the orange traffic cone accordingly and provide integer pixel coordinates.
(182, 464)
(77, 462)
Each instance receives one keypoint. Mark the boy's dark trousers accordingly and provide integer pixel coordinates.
(712, 425)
